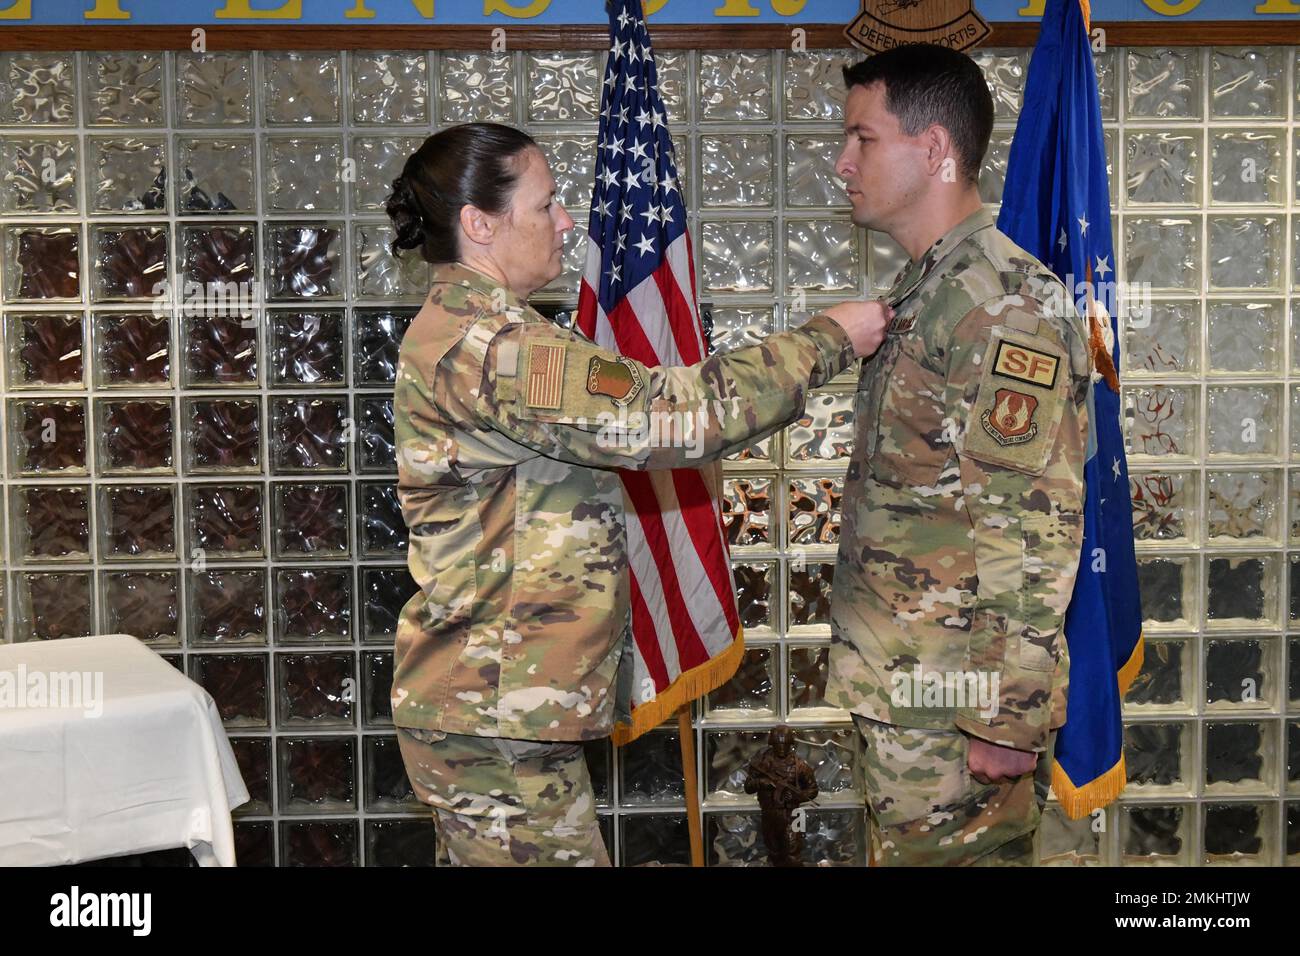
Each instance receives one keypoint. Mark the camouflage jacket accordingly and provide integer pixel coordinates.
(963, 505)
(507, 430)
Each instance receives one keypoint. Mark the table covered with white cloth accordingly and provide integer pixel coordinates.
(106, 749)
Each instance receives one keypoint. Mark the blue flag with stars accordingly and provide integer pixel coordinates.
(1056, 205)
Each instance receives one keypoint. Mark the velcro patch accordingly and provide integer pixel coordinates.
(1025, 364)
(1016, 427)
(545, 374)
(617, 379)
(572, 380)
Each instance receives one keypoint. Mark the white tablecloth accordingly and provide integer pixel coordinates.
(152, 770)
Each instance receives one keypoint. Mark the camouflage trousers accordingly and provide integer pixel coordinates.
(503, 802)
(927, 810)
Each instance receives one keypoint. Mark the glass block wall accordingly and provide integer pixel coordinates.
(222, 486)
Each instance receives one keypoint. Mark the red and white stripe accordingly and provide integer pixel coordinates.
(683, 597)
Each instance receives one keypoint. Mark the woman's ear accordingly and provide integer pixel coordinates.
(478, 225)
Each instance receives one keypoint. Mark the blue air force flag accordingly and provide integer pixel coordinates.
(1056, 205)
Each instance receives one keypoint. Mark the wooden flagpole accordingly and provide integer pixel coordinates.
(693, 822)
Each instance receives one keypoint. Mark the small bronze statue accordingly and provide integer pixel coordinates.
(782, 781)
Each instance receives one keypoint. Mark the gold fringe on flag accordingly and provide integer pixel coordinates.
(1080, 801)
(696, 682)
(1129, 672)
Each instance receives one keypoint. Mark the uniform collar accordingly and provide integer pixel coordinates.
(942, 247)
(457, 273)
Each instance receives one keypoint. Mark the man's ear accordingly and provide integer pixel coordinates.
(939, 157)
(479, 226)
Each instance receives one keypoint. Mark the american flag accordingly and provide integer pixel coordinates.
(638, 298)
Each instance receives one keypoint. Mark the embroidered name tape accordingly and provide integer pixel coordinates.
(1025, 364)
(901, 324)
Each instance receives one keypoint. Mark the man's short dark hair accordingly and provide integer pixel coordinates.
(927, 84)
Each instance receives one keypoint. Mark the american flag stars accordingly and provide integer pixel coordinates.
(636, 169)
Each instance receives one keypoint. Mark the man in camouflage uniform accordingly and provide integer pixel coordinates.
(964, 496)
(507, 428)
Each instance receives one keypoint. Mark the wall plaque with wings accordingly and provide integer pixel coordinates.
(884, 24)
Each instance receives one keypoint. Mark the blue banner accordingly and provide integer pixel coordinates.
(1056, 205)
(505, 12)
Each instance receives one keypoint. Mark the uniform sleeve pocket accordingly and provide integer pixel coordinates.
(1046, 584)
(1018, 409)
(424, 736)
(566, 381)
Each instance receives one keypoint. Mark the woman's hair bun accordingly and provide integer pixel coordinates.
(466, 165)
(404, 210)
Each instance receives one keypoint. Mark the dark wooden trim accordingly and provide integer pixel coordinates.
(1200, 33)
(667, 36)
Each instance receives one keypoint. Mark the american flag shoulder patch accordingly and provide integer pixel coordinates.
(545, 372)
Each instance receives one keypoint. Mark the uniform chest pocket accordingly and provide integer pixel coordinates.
(913, 433)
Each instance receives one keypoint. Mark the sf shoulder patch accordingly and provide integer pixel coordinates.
(1014, 423)
(1029, 365)
(618, 379)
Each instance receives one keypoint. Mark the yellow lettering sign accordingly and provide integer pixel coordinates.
(107, 10)
(359, 12)
(788, 8)
(424, 8)
(1032, 9)
(1176, 9)
(1278, 6)
(736, 8)
(21, 10)
(241, 10)
(653, 6)
(519, 13)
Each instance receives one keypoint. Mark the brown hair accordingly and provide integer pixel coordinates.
(926, 83)
(471, 164)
